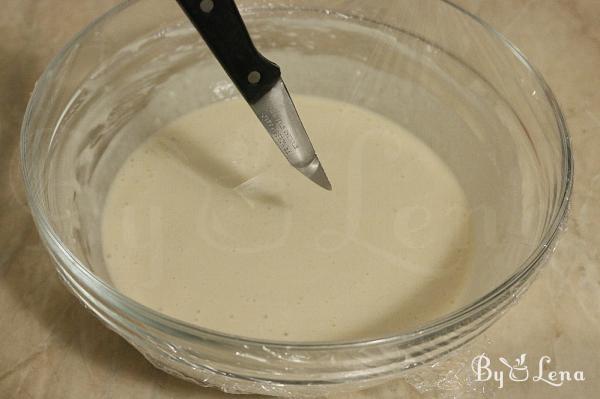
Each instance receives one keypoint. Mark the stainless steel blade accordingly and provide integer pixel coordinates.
(277, 113)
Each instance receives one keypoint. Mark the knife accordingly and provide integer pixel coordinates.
(257, 79)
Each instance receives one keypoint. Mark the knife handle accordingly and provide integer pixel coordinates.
(222, 28)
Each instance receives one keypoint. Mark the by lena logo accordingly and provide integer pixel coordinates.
(518, 371)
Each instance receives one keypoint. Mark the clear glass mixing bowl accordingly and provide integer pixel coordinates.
(432, 67)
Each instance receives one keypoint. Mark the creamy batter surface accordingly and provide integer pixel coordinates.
(206, 222)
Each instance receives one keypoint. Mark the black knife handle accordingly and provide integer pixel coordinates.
(222, 28)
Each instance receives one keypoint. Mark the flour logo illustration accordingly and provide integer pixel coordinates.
(518, 371)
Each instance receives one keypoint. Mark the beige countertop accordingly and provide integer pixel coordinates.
(50, 347)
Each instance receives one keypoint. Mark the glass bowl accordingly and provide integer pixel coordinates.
(457, 84)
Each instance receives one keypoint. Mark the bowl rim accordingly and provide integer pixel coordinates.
(174, 326)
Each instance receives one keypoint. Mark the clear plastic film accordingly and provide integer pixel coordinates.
(424, 64)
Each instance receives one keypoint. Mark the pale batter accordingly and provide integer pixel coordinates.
(207, 223)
